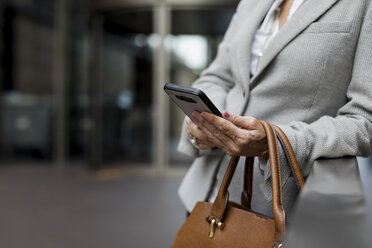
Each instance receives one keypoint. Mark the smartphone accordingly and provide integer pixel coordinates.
(190, 99)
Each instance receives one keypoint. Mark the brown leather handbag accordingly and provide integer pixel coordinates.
(227, 224)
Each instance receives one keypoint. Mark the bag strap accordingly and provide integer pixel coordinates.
(288, 150)
(246, 196)
(278, 210)
(289, 153)
(219, 206)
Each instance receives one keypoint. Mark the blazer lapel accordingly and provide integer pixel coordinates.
(304, 16)
(252, 22)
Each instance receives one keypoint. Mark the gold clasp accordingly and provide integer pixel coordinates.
(278, 244)
(213, 226)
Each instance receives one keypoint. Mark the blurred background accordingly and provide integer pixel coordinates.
(87, 136)
(81, 81)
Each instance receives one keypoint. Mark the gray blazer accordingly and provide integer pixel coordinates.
(314, 80)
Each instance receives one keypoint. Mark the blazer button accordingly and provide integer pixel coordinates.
(244, 94)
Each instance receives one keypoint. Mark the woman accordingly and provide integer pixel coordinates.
(305, 65)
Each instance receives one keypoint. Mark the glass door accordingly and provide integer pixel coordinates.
(121, 92)
(27, 98)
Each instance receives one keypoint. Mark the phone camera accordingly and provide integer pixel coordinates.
(185, 99)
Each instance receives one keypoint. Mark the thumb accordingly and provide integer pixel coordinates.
(245, 122)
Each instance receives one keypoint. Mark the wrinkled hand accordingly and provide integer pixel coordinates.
(236, 135)
(202, 138)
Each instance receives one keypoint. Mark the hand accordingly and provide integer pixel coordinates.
(201, 137)
(236, 135)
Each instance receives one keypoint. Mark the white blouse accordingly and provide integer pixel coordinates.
(268, 29)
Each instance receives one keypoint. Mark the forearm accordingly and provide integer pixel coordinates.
(329, 138)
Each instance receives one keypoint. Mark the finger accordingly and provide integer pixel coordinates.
(203, 141)
(245, 122)
(191, 126)
(219, 127)
(234, 140)
(188, 121)
(216, 129)
(250, 128)
(194, 131)
(205, 146)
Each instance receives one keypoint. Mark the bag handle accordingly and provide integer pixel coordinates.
(246, 196)
(289, 153)
(288, 150)
(219, 206)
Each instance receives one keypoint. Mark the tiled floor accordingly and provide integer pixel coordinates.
(45, 207)
(58, 208)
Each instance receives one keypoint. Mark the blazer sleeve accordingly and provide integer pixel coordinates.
(349, 133)
(217, 80)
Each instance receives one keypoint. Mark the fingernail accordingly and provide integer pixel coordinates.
(203, 115)
(195, 115)
(226, 115)
(210, 139)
